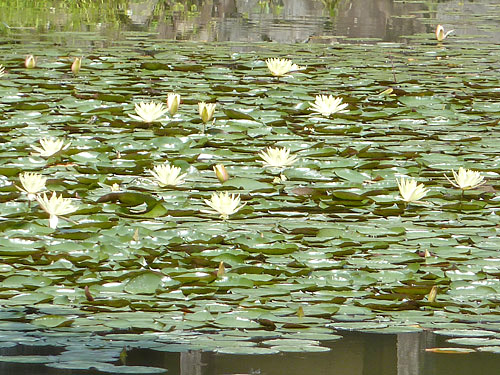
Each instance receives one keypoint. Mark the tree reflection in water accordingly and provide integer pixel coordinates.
(283, 21)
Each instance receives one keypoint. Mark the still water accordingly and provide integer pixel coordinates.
(293, 21)
(355, 354)
(283, 21)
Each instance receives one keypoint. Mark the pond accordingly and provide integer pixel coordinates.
(316, 255)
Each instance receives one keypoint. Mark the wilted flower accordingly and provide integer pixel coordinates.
(327, 105)
(2, 70)
(279, 67)
(173, 101)
(167, 175)
(32, 183)
(55, 206)
(277, 157)
(206, 111)
(50, 146)
(224, 203)
(149, 112)
(440, 34)
(410, 191)
(30, 62)
(77, 64)
(466, 179)
(221, 173)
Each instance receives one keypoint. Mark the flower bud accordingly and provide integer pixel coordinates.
(173, 101)
(30, 62)
(431, 297)
(221, 173)
(77, 64)
(206, 111)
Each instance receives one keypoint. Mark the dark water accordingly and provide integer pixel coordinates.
(284, 21)
(355, 354)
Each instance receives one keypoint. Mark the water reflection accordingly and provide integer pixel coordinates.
(355, 354)
(283, 21)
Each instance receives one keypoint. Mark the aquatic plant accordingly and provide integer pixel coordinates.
(224, 203)
(277, 157)
(466, 179)
(50, 146)
(206, 111)
(411, 191)
(440, 34)
(167, 175)
(55, 206)
(280, 67)
(149, 112)
(327, 105)
(173, 101)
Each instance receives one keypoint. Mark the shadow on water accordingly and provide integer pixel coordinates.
(355, 354)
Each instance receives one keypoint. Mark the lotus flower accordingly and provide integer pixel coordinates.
(466, 179)
(173, 101)
(440, 34)
(277, 157)
(206, 111)
(328, 105)
(279, 67)
(224, 204)
(50, 146)
(32, 183)
(149, 112)
(167, 175)
(410, 191)
(55, 206)
(30, 62)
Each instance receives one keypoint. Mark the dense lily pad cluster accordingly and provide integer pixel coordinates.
(323, 242)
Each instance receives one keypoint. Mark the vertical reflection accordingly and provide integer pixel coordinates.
(410, 348)
(191, 363)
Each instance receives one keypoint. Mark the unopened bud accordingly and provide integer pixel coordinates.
(173, 101)
(30, 62)
(221, 270)
(432, 294)
(221, 173)
(77, 64)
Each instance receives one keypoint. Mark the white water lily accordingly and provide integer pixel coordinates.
(50, 146)
(55, 206)
(440, 34)
(327, 105)
(206, 111)
(466, 179)
(279, 67)
(411, 191)
(32, 183)
(225, 204)
(277, 157)
(173, 101)
(167, 175)
(149, 112)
